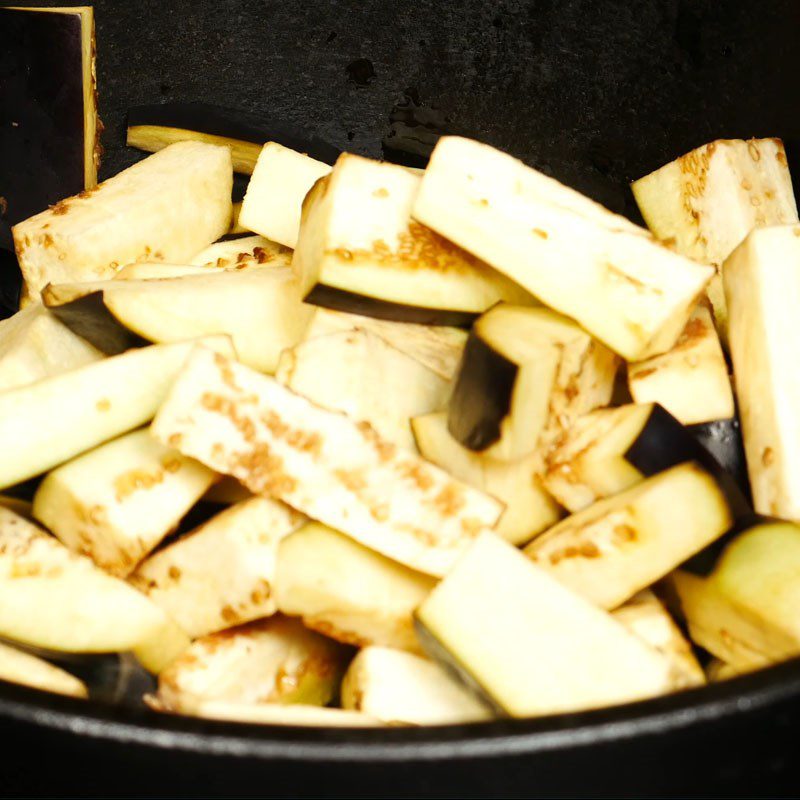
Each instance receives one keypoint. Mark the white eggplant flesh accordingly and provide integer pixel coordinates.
(17, 666)
(243, 251)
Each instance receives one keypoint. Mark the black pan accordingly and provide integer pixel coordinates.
(593, 92)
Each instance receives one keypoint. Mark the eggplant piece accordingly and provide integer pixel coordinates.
(236, 225)
(294, 715)
(165, 208)
(117, 502)
(526, 375)
(527, 644)
(243, 252)
(723, 439)
(34, 345)
(691, 381)
(53, 420)
(274, 200)
(401, 688)
(154, 127)
(346, 591)
(360, 374)
(613, 449)
(359, 251)
(23, 668)
(622, 544)
(621, 285)
(437, 347)
(529, 509)
(718, 670)
(275, 660)
(131, 272)
(705, 202)
(334, 469)
(49, 129)
(222, 573)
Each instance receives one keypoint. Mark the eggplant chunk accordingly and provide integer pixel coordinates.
(340, 588)
(273, 714)
(529, 645)
(762, 285)
(718, 670)
(723, 439)
(34, 345)
(334, 469)
(645, 616)
(23, 668)
(116, 503)
(614, 548)
(222, 573)
(130, 272)
(705, 202)
(270, 661)
(360, 374)
(529, 509)
(621, 285)
(275, 194)
(165, 208)
(691, 381)
(243, 252)
(526, 375)
(51, 421)
(359, 251)
(402, 688)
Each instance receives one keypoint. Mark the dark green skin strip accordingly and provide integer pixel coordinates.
(454, 668)
(232, 124)
(482, 396)
(353, 303)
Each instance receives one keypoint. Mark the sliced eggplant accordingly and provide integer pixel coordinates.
(691, 381)
(35, 345)
(243, 252)
(275, 194)
(332, 468)
(718, 670)
(222, 573)
(723, 439)
(526, 375)
(401, 688)
(360, 251)
(154, 127)
(705, 202)
(437, 347)
(340, 588)
(54, 293)
(117, 502)
(273, 714)
(236, 225)
(51, 421)
(762, 285)
(529, 509)
(611, 276)
(613, 449)
(20, 667)
(49, 133)
(620, 545)
(529, 645)
(166, 208)
(362, 375)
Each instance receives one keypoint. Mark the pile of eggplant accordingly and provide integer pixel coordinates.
(393, 446)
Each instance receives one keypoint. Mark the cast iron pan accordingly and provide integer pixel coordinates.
(594, 92)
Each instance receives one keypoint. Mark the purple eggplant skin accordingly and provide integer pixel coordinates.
(723, 439)
(42, 137)
(482, 396)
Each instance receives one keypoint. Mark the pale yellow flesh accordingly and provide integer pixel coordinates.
(17, 666)
(234, 252)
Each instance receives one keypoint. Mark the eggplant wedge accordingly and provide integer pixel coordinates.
(94, 403)
(130, 272)
(165, 208)
(340, 588)
(274, 660)
(17, 666)
(49, 134)
(529, 509)
(359, 251)
(762, 286)
(723, 439)
(360, 374)
(334, 469)
(526, 375)
(613, 449)
(116, 503)
(295, 715)
(705, 202)
(609, 275)
(244, 251)
(437, 347)
(154, 127)
(618, 546)
(274, 200)
(222, 573)
(401, 688)
(691, 381)
(529, 645)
